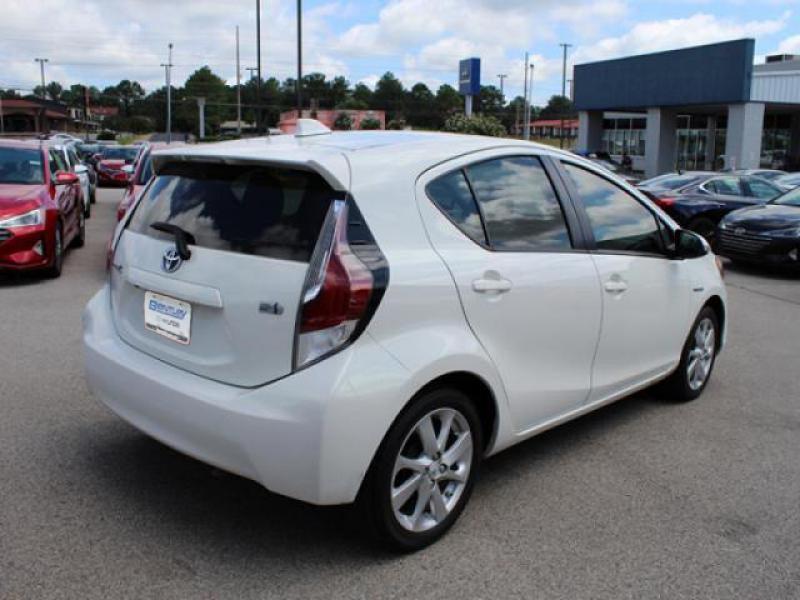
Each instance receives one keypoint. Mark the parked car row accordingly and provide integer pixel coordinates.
(749, 216)
(43, 207)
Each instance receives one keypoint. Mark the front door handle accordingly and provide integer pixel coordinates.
(491, 286)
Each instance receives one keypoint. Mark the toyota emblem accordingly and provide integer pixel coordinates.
(171, 261)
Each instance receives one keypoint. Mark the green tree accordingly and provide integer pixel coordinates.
(491, 101)
(203, 83)
(362, 95)
(448, 102)
(388, 96)
(558, 107)
(420, 107)
(54, 91)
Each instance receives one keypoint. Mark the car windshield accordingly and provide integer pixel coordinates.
(125, 153)
(21, 166)
(672, 182)
(791, 198)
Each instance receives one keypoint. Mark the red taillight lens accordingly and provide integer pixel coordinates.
(665, 202)
(337, 292)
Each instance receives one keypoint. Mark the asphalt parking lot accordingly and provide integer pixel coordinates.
(640, 500)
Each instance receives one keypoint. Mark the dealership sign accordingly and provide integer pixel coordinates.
(469, 76)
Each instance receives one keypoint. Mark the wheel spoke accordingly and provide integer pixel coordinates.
(438, 505)
(459, 475)
(412, 464)
(460, 447)
(405, 490)
(427, 436)
(423, 499)
(444, 431)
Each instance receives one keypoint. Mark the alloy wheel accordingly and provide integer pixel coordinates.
(701, 354)
(431, 470)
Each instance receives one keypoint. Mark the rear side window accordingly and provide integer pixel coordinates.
(507, 203)
(762, 190)
(248, 209)
(451, 194)
(728, 186)
(519, 205)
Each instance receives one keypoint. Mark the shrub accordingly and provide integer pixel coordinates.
(475, 125)
(396, 124)
(107, 136)
(343, 121)
(370, 123)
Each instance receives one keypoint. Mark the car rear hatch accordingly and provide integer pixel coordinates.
(229, 311)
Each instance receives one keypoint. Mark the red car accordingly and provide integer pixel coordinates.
(41, 208)
(142, 173)
(110, 163)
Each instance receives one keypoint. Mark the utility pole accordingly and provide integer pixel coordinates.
(258, 66)
(530, 102)
(41, 62)
(299, 58)
(565, 47)
(501, 77)
(526, 132)
(168, 76)
(2, 125)
(252, 70)
(238, 87)
(571, 93)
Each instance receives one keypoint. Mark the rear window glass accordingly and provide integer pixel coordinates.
(126, 153)
(146, 170)
(257, 210)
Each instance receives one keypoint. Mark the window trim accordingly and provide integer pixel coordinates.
(568, 211)
(591, 242)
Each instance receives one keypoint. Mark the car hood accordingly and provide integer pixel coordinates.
(766, 217)
(15, 198)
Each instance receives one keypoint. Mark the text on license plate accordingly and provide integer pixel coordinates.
(168, 317)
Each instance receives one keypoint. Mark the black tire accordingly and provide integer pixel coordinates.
(679, 387)
(375, 501)
(705, 227)
(54, 270)
(79, 240)
(93, 195)
(87, 210)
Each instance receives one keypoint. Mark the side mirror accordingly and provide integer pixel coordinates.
(97, 156)
(689, 244)
(128, 170)
(65, 178)
(81, 169)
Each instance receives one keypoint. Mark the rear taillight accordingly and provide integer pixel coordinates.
(341, 291)
(665, 202)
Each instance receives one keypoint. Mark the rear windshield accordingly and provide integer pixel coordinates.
(120, 153)
(21, 165)
(263, 211)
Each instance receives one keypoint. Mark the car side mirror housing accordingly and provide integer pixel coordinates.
(65, 178)
(81, 169)
(688, 244)
(128, 170)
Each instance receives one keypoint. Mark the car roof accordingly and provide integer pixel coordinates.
(335, 155)
(20, 143)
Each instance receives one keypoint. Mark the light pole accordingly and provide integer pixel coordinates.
(41, 62)
(168, 76)
(565, 47)
(258, 66)
(529, 102)
(299, 58)
(526, 132)
(501, 77)
(238, 87)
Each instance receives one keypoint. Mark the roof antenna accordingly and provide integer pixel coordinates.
(310, 127)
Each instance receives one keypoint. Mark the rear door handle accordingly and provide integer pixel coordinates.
(491, 286)
(615, 285)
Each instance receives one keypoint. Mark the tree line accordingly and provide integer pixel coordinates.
(419, 106)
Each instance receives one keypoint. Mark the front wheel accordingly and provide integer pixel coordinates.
(424, 472)
(54, 270)
(697, 359)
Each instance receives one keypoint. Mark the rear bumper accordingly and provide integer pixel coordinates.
(310, 435)
(106, 178)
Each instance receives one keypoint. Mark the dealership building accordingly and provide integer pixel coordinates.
(706, 107)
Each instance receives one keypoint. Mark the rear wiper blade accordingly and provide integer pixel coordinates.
(182, 237)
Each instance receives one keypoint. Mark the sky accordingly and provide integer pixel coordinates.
(98, 42)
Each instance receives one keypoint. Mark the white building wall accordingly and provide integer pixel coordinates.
(776, 86)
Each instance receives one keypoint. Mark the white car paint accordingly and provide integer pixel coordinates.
(553, 347)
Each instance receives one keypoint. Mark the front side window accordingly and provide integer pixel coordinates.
(619, 221)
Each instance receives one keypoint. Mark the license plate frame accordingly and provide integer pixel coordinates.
(168, 317)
